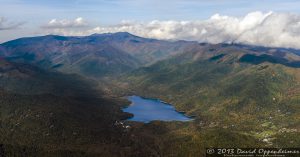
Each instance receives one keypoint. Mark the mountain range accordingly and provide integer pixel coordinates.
(63, 95)
(97, 56)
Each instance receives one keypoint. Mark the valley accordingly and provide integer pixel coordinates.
(63, 96)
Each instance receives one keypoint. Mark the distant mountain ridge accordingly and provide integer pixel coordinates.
(110, 54)
(97, 55)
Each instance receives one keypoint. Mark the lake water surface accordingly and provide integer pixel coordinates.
(146, 110)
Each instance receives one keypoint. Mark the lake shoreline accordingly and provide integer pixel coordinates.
(146, 110)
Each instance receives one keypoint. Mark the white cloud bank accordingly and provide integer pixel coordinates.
(63, 24)
(257, 28)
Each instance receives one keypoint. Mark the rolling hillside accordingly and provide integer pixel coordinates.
(247, 90)
(46, 113)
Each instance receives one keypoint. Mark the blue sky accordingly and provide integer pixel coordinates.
(113, 11)
(32, 14)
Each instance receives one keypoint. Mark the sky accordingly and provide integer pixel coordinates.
(260, 22)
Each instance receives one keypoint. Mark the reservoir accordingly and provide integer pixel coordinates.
(146, 110)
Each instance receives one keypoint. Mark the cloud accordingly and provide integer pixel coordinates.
(62, 24)
(257, 28)
(7, 25)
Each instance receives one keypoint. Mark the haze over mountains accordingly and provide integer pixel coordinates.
(243, 95)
